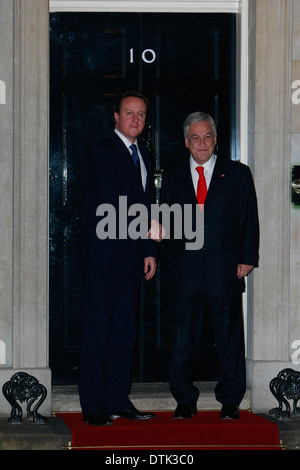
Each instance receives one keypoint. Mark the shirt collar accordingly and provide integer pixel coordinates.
(124, 139)
(209, 165)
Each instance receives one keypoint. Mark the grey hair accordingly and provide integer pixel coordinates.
(198, 117)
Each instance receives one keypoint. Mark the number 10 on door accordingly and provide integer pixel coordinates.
(148, 56)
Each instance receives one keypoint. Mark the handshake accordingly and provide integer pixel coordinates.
(156, 231)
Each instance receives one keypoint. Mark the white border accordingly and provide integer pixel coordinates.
(243, 85)
(208, 6)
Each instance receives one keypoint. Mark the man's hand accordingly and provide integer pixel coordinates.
(156, 232)
(149, 267)
(243, 270)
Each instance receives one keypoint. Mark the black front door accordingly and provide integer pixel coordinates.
(184, 63)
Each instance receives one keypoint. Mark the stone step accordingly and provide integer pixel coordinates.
(150, 396)
(52, 435)
(55, 435)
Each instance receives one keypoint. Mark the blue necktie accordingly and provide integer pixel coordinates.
(135, 155)
(136, 158)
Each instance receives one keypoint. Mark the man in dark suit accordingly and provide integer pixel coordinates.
(112, 263)
(213, 275)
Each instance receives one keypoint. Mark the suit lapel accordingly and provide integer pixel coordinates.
(185, 182)
(147, 164)
(218, 178)
(123, 152)
(122, 149)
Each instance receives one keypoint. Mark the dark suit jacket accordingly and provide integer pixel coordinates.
(231, 228)
(111, 173)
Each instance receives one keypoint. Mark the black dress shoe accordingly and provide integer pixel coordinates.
(185, 411)
(97, 419)
(132, 413)
(230, 411)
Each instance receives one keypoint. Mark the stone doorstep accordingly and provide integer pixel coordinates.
(55, 435)
(52, 435)
(156, 396)
(150, 396)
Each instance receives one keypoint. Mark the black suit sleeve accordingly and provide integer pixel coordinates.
(248, 220)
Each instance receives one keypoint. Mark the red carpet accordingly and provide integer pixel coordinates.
(205, 431)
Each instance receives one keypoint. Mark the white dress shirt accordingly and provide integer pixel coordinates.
(208, 170)
(142, 164)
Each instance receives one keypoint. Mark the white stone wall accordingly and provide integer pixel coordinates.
(6, 182)
(295, 212)
(24, 51)
(274, 321)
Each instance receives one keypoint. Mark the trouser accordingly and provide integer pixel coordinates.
(227, 320)
(108, 343)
